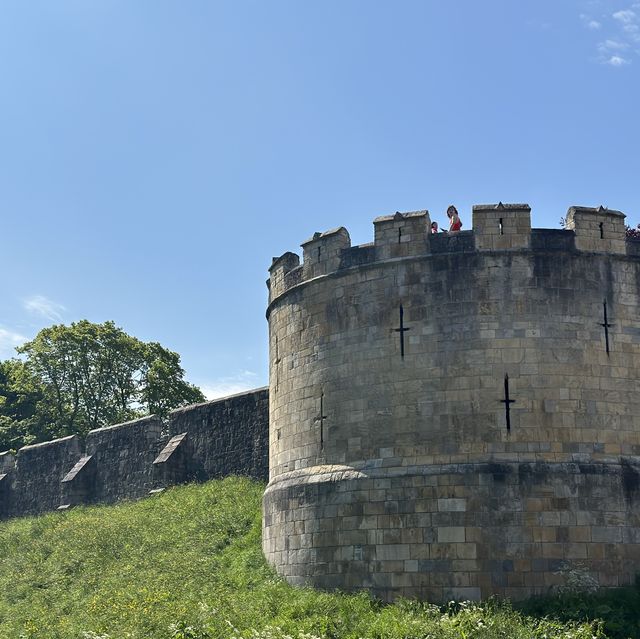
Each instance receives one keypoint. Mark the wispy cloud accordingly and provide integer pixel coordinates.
(622, 34)
(589, 22)
(8, 341)
(612, 45)
(626, 16)
(617, 61)
(223, 386)
(43, 306)
(611, 53)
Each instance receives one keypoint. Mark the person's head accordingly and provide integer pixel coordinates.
(451, 211)
(434, 225)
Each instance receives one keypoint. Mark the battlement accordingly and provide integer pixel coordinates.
(597, 229)
(502, 226)
(322, 252)
(402, 234)
(495, 227)
(136, 458)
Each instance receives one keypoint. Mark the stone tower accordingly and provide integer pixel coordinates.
(456, 416)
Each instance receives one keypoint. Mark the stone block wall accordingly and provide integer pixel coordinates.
(38, 475)
(228, 436)
(411, 357)
(127, 461)
(454, 531)
(123, 458)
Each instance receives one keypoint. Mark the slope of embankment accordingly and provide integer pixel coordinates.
(187, 564)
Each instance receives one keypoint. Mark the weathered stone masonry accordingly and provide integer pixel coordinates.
(456, 415)
(127, 461)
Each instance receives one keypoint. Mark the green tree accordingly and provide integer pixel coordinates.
(21, 422)
(163, 388)
(84, 376)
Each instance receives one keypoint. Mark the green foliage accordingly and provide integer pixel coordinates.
(20, 394)
(163, 388)
(618, 608)
(84, 376)
(188, 565)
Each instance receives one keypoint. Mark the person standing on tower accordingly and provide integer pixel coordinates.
(454, 219)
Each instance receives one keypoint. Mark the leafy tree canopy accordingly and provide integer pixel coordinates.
(20, 393)
(83, 376)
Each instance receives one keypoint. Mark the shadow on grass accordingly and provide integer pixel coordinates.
(619, 608)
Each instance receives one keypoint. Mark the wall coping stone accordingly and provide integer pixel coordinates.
(140, 420)
(218, 400)
(520, 206)
(401, 216)
(592, 210)
(321, 236)
(53, 442)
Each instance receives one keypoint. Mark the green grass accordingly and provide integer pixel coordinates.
(618, 608)
(188, 565)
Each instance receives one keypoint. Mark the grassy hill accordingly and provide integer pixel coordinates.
(187, 564)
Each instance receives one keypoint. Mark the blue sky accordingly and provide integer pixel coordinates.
(155, 155)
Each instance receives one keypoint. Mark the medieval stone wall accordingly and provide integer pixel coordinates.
(127, 461)
(241, 446)
(455, 415)
(42, 467)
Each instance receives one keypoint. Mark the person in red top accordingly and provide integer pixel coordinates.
(454, 219)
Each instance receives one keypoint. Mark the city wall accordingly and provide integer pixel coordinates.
(448, 416)
(128, 461)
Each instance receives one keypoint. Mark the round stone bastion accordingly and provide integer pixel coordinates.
(455, 416)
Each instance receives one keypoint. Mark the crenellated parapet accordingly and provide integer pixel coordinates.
(495, 227)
